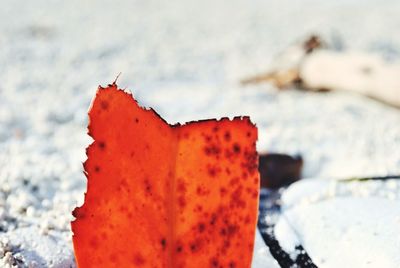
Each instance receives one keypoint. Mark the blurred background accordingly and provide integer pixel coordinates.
(186, 60)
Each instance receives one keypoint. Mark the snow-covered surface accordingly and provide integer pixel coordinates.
(343, 224)
(184, 58)
(262, 257)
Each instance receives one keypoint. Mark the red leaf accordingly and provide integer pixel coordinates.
(166, 196)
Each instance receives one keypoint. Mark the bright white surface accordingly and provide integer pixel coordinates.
(363, 73)
(262, 257)
(352, 224)
(184, 58)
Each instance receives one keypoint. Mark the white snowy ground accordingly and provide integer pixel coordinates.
(184, 58)
(343, 224)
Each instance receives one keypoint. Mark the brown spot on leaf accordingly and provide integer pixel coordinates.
(198, 208)
(104, 105)
(227, 136)
(214, 262)
(179, 247)
(163, 243)
(212, 171)
(102, 145)
(213, 219)
(196, 245)
(251, 163)
(181, 201)
(147, 187)
(236, 148)
(94, 242)
(201, 227)
(138, 259)
(202, 191)
(212, 150)
(222, 191)
(181, 186)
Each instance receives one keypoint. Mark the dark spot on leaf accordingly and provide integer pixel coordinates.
(94, 242)
(147, 187)
(222, 231)
(222, 191)
(201, 191)
(212, 171)
(208, 138)
(138, 259)
(195, 246)
(227, 136)
(236, 148)
(232, 229)
(163, 243)
(201, 227)
(214, 262)
(182, 201)
(179, 248)
(102, 145)
(213, 219)
(247, 219)
(198, 208)
(104, 105)
(212, 150)
(181, 186)
(251, 163)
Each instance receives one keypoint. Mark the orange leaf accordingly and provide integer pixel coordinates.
(166, 196)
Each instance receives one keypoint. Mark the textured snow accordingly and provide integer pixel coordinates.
(184, 58)
(262, 257)
(343, 224)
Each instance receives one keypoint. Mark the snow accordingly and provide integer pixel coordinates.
(185, 59)
(343, 224)
(262, 257)
(37, 248)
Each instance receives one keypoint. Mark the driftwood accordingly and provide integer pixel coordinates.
(311, 65)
